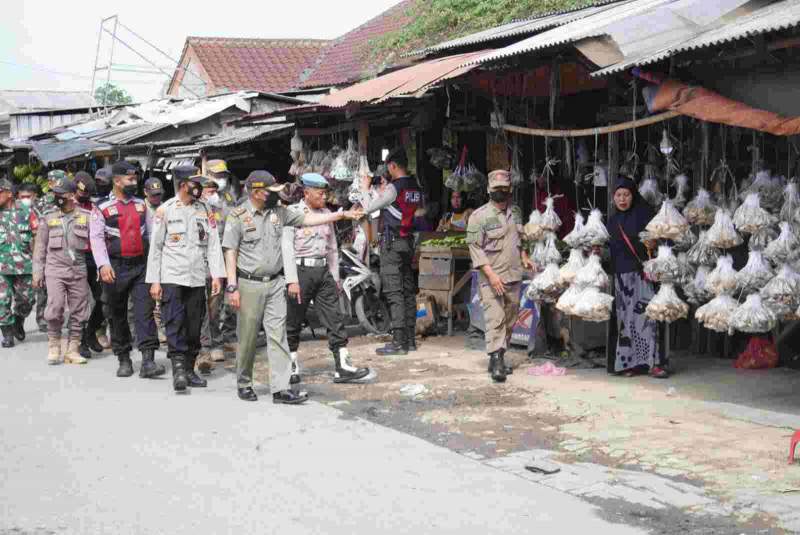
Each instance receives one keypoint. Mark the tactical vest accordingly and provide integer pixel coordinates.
(398, 217)
(126, 227)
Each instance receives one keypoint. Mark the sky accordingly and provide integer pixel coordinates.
(52, 44)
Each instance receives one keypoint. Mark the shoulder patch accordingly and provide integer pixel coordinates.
(238, 212)
(228, 196)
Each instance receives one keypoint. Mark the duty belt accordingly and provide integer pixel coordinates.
(247, 276)
(312, 262)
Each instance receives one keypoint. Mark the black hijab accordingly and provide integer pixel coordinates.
(632, 222)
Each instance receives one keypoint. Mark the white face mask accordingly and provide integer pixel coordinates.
(213, 199)
(26, 201)
(222, 183)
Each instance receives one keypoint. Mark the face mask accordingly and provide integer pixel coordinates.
(272, 200)
(60, 201)
(499, 196)
(195, 192)
(82, 198)
(129, 190)
(103, 190)
(221, 183)
(213, 199)
(26, 202)
(154, 201)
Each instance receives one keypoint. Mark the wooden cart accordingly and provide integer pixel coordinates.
(443, 272)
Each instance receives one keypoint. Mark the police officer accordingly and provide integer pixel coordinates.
(18, 223)
(494, 236)
(154, 194)
(397, 202)
(311, 265)
(184, 248)
(256, 285)
(119, 245)
(85, 190)
(103, 178)
(59, 258)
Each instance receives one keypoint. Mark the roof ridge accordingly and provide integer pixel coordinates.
(310, 41)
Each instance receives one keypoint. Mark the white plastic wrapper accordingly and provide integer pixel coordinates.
(755, 274)
(723, 277)
(782, 293)
(297, 142)
(697, 290)
(664, 267)
(545, 286)
(685, 270)
(750, 217)
(702, 253)
(592, 274)
(595, 231)
(685, 241)
(569, 300)
(533, 228)
(790, 211)
(666, 305)
(753, 316)
(722, 233)
(668, 223)
(551, 253)
(577, 237)
(593, 305)
(701, 209)
(575, 262)
(716, 314)
(648, 189)
(681, 182)
(550, 220)
(781, 248)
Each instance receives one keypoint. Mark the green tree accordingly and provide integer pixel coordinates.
(111, 95)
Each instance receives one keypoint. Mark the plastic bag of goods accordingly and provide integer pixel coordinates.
(755, 274)
(546, 286)
(722, 278)
(550, 219)
(681, 190)
(442, 157)
(569, 300)
(668, 223)
(576, 237)
(453, 182)
(751, 217)
(790, 211)
(317, 157)
(753, 316)
(701, 209)
(329, 160)
(593, 305)
(768, 187)
(296, 144)
(782, 293)
(702, 253)
(363, 166)
(716, 314)
(760, 354)
(575, 262)
(686, 273)
(533, 228)
(664, 267)
(685, 241)
(760, 239)
(545, 252)
(648, 189)
(696, 290)
(722, 233)
(354, 194)
(666, 305)
(595, 231)
(592, 274)
(340, 170)
(781, 248)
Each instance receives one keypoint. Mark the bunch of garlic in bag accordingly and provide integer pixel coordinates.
(755, 274)
(722, 278)
(753, 316)
(570, 269)
(593, 305)
(569, 300)
(681, 182)
(550, 220)
(666, 305)
(722, 234)
(790, 211)
(781, 248)
(750, 217)
(700, 210)
(533, 228)
(716, 314)
(545, 251)
(592, 274)
(782, 293)
(702, 253)
(595, 231)
(668, 223)
(576, 237)
(761, 238)
(546, 286)
(664, 267)
(697, 289)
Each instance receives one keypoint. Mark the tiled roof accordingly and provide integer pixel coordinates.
(271, 65)
(348, 58)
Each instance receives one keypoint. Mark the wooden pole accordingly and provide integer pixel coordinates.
(601, 130)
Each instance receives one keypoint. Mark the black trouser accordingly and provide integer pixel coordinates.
(316, 284)
(96, 317)
(398, 283)
(130, 283)
(183, 310)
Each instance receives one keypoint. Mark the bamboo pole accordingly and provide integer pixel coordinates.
(591, 131)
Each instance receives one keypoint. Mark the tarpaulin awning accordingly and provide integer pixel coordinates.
(58, 151)
(411, 81)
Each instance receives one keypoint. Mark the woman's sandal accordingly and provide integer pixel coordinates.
(659, 373)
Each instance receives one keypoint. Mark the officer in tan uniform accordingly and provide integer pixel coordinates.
(494, 235)
(59, 259)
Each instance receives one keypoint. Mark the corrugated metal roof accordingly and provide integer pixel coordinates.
(58, 151)
(46, 100)
(121, 135)
(778, 16)
(240, 135)
(520, 27)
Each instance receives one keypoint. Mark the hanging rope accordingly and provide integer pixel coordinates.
(596, 161)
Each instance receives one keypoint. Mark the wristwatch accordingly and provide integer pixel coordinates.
(231, 288)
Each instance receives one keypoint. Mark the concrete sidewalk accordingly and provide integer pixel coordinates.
(87, 453)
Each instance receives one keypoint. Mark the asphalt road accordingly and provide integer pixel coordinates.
(87, 453)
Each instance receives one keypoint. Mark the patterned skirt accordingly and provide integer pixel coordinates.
(637, 335)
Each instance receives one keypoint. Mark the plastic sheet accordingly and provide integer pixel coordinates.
(781, 248)
(701, 209)
(577, 237)
(668, 223)
(723, 277)
(592, 274)
(755, 274)
(664, 267)
(722, 233)
(575, 262)
(750, 217)
(716, 314)
(666, 305)
(753, 316)
(595, 231)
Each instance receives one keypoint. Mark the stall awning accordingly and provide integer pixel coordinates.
(59, 151)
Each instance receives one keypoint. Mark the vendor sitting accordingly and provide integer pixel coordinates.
(455, 221)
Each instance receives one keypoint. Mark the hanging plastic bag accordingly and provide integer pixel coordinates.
(545, 252)
(755, 274)
(781, 248)
(545, 286)
(516, 172)
(363, 166)
(701, 209)
(342, 168)
(685, 241)
(648, 189)
(696, 290)
(550, 220)
(595, 231)
(681, 182)
(664, 267)
(296, 143)
(592, 274)
(576, 237)
(723, 277)
(668, 223)
(569, 300)
(782, 293)
(686, 273)
(750, 217)
(769, 188)
(317, 157)
(753, 316)
(575, 262)
(791, 203)
(760, 354)
(533, 228)
(666, 305)
(716, 314)
(593, 305)
(702, 253)
(761, 238)
(722, 233)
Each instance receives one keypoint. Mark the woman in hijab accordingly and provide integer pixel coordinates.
(637, 335)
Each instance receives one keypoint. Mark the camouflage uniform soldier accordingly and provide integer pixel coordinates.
(61, 244)
(494, 235)
(18, 223)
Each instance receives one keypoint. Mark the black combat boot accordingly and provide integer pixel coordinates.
(508, 366)
(179, 379)
(411, 339)
(150, 368)
(84, 351)
(289, 397)
(396, 347)
(125, 365)
(90, 340)
(194, 380)
(345, 371)
(498, 368)
(19, 328)
(8, 335)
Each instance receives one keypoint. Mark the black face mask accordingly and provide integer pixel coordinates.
(129, 190)
(82, 198)
(499, 196)
(103, 189)
(195, 192)
(272, 200)
(60, 201)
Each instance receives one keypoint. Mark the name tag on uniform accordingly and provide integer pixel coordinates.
(111, 211)
(140, 208)
(54, 223)
(80, 220)
(273, 218)
(250, 229)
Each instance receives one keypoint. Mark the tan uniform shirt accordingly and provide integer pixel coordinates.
(309, 242)
(495, 239)
(61, 242)
(256, 235)
(184, 245)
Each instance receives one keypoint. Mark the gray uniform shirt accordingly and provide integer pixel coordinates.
(60, 243)
(256, 235)
(309, 242)
(184, 245)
